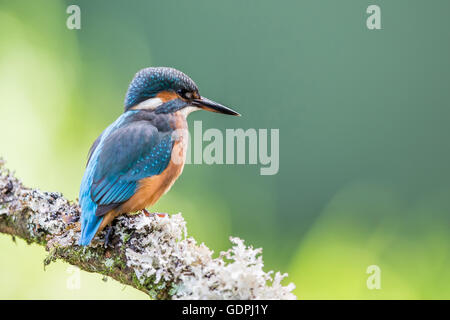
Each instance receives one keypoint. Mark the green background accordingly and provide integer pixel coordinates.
(363, 118)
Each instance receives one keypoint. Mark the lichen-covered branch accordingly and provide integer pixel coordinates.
(152, 254)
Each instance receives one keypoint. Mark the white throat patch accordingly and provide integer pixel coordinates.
(187, 110)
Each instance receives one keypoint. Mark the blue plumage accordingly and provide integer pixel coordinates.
(126, 152)
(150, 81)
(138, 145)
(89, 221)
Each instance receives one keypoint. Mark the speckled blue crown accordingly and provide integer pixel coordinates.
(149, 81)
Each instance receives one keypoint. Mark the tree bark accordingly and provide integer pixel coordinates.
(150, 253)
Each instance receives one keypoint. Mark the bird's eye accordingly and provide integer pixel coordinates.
(185, 94)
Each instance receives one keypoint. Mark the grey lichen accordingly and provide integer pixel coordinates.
(153, 254)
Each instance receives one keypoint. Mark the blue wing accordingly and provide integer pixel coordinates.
(128, 155)
(119, 161)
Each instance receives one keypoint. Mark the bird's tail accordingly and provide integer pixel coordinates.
(89, 226)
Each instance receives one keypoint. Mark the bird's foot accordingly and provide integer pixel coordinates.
(109, 233)
(161, 215)
(145, 211)
(148, 214)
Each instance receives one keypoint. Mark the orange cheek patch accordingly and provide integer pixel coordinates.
(167, 96)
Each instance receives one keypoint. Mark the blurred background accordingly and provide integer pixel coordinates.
(363, 118)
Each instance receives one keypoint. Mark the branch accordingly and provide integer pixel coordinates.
(151, 254)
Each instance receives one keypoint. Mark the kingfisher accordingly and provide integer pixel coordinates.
(140, 155)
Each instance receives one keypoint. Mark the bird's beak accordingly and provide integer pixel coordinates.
(206, 104)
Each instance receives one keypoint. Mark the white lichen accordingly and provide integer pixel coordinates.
(166, 262)
(109, 262)
(164, 252)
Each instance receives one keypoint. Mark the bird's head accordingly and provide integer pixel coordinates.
(167, 90)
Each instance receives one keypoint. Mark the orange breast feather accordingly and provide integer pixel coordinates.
(151, 189)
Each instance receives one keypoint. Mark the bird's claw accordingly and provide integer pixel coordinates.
(161, 215)
(148, 214)
(108, 236)
(145, 211)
